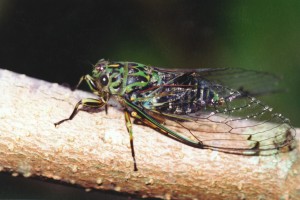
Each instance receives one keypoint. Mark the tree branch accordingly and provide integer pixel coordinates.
(93, 151)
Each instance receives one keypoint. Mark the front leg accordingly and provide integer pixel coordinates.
(94, 103)
(90, 81)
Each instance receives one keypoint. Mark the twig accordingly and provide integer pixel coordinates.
(93, 151)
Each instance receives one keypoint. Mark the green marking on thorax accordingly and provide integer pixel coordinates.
(125, 76)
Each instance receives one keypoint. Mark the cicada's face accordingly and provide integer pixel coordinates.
(101, 75)
(100, 68)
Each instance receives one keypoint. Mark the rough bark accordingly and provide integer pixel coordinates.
(93, 151)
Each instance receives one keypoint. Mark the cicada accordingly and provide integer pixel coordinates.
(204, 108)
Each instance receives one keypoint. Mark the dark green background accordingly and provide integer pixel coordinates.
(59, 40)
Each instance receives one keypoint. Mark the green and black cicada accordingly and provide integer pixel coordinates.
(204, 108)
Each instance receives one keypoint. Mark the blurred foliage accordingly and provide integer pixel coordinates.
(59, 40)
(265, 36)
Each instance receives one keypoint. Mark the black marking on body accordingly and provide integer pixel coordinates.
(182, 100)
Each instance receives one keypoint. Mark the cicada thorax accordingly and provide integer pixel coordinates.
(139, 77)
(126, 78)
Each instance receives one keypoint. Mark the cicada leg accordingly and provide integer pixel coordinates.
(129, 129)
(92, 85)
(95, 103)
(90, 81)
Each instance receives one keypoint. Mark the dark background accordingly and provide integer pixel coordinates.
(58, 41)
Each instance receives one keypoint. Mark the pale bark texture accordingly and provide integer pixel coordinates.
(93, 151)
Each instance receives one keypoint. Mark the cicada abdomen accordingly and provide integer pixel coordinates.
(218, 117)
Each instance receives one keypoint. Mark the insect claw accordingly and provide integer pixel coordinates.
(58, 123)
(106, 109)
(135, 167)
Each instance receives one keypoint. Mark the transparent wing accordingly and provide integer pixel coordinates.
(235, 125)
(248, 82)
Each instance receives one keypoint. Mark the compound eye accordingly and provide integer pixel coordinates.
(100, 68)
(104, 80)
